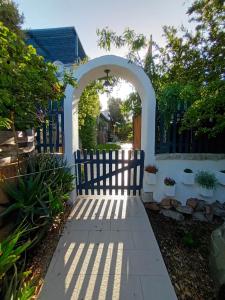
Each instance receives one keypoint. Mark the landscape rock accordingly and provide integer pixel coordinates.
(201, 205)
(192, 202)
(199, 216)
(172, 214)
(218, 210)
(184, 209)
(166, 203)
(174, 203)
(209, 213)
(152, 206)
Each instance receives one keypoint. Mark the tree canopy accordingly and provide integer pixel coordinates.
(10, 16)
(114, 106)
(189, 69)
(27, 82)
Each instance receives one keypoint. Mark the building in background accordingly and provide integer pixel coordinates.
(61, 45)
(57, 44)
(104, 127)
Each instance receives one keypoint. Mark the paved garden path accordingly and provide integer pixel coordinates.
(107, 251)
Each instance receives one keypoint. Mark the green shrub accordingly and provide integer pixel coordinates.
(206, 179)
(88, 133)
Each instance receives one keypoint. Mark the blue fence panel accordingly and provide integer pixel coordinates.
(50, 135)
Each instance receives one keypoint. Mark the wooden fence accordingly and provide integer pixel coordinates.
(169, 139)
(50, 135)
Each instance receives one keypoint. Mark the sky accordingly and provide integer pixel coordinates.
(144, 16)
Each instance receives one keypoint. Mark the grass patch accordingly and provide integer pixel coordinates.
(107, 147)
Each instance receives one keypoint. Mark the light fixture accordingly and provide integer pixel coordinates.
(107, 84)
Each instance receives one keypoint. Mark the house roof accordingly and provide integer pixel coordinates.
(53, 44)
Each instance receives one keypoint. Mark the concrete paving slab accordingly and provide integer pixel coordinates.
(108, 251)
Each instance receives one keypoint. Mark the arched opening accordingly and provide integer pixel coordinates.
(119, 67)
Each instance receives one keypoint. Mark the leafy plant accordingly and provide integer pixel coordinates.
(169, 181)
(25, 92)
(16, 284)
(151, 169)
(206, 179)
(188, 171)
(11, 249)
(40, 194)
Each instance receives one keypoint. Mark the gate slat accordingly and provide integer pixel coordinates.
(129, 174)
(122, 174)
(110, 171)
(104, 171)
(98, 171)
(79, 173)
(135, 172)
(91, 171)
(116, 168)
(85, 172)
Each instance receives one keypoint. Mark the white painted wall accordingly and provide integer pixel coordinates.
(174, 167)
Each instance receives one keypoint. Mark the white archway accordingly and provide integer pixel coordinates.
(93, 70)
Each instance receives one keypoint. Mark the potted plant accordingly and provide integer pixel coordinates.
(169, 186)
(207, 183)
(150, 174)
(220, 175)
(188, 177)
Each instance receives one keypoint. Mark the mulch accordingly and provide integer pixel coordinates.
(187, 264)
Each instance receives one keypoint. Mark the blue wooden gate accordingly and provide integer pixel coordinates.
(104, 172)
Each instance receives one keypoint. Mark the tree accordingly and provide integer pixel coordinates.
(114, 105)
(133, 41)
(10, 16)
(189, 69)
(27, 83)
(131, 107)
(89, 109)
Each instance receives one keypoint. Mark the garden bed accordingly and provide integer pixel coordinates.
(185, 250)
(39, 259)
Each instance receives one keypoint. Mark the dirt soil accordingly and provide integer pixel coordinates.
(185, 250)
(40, 258)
